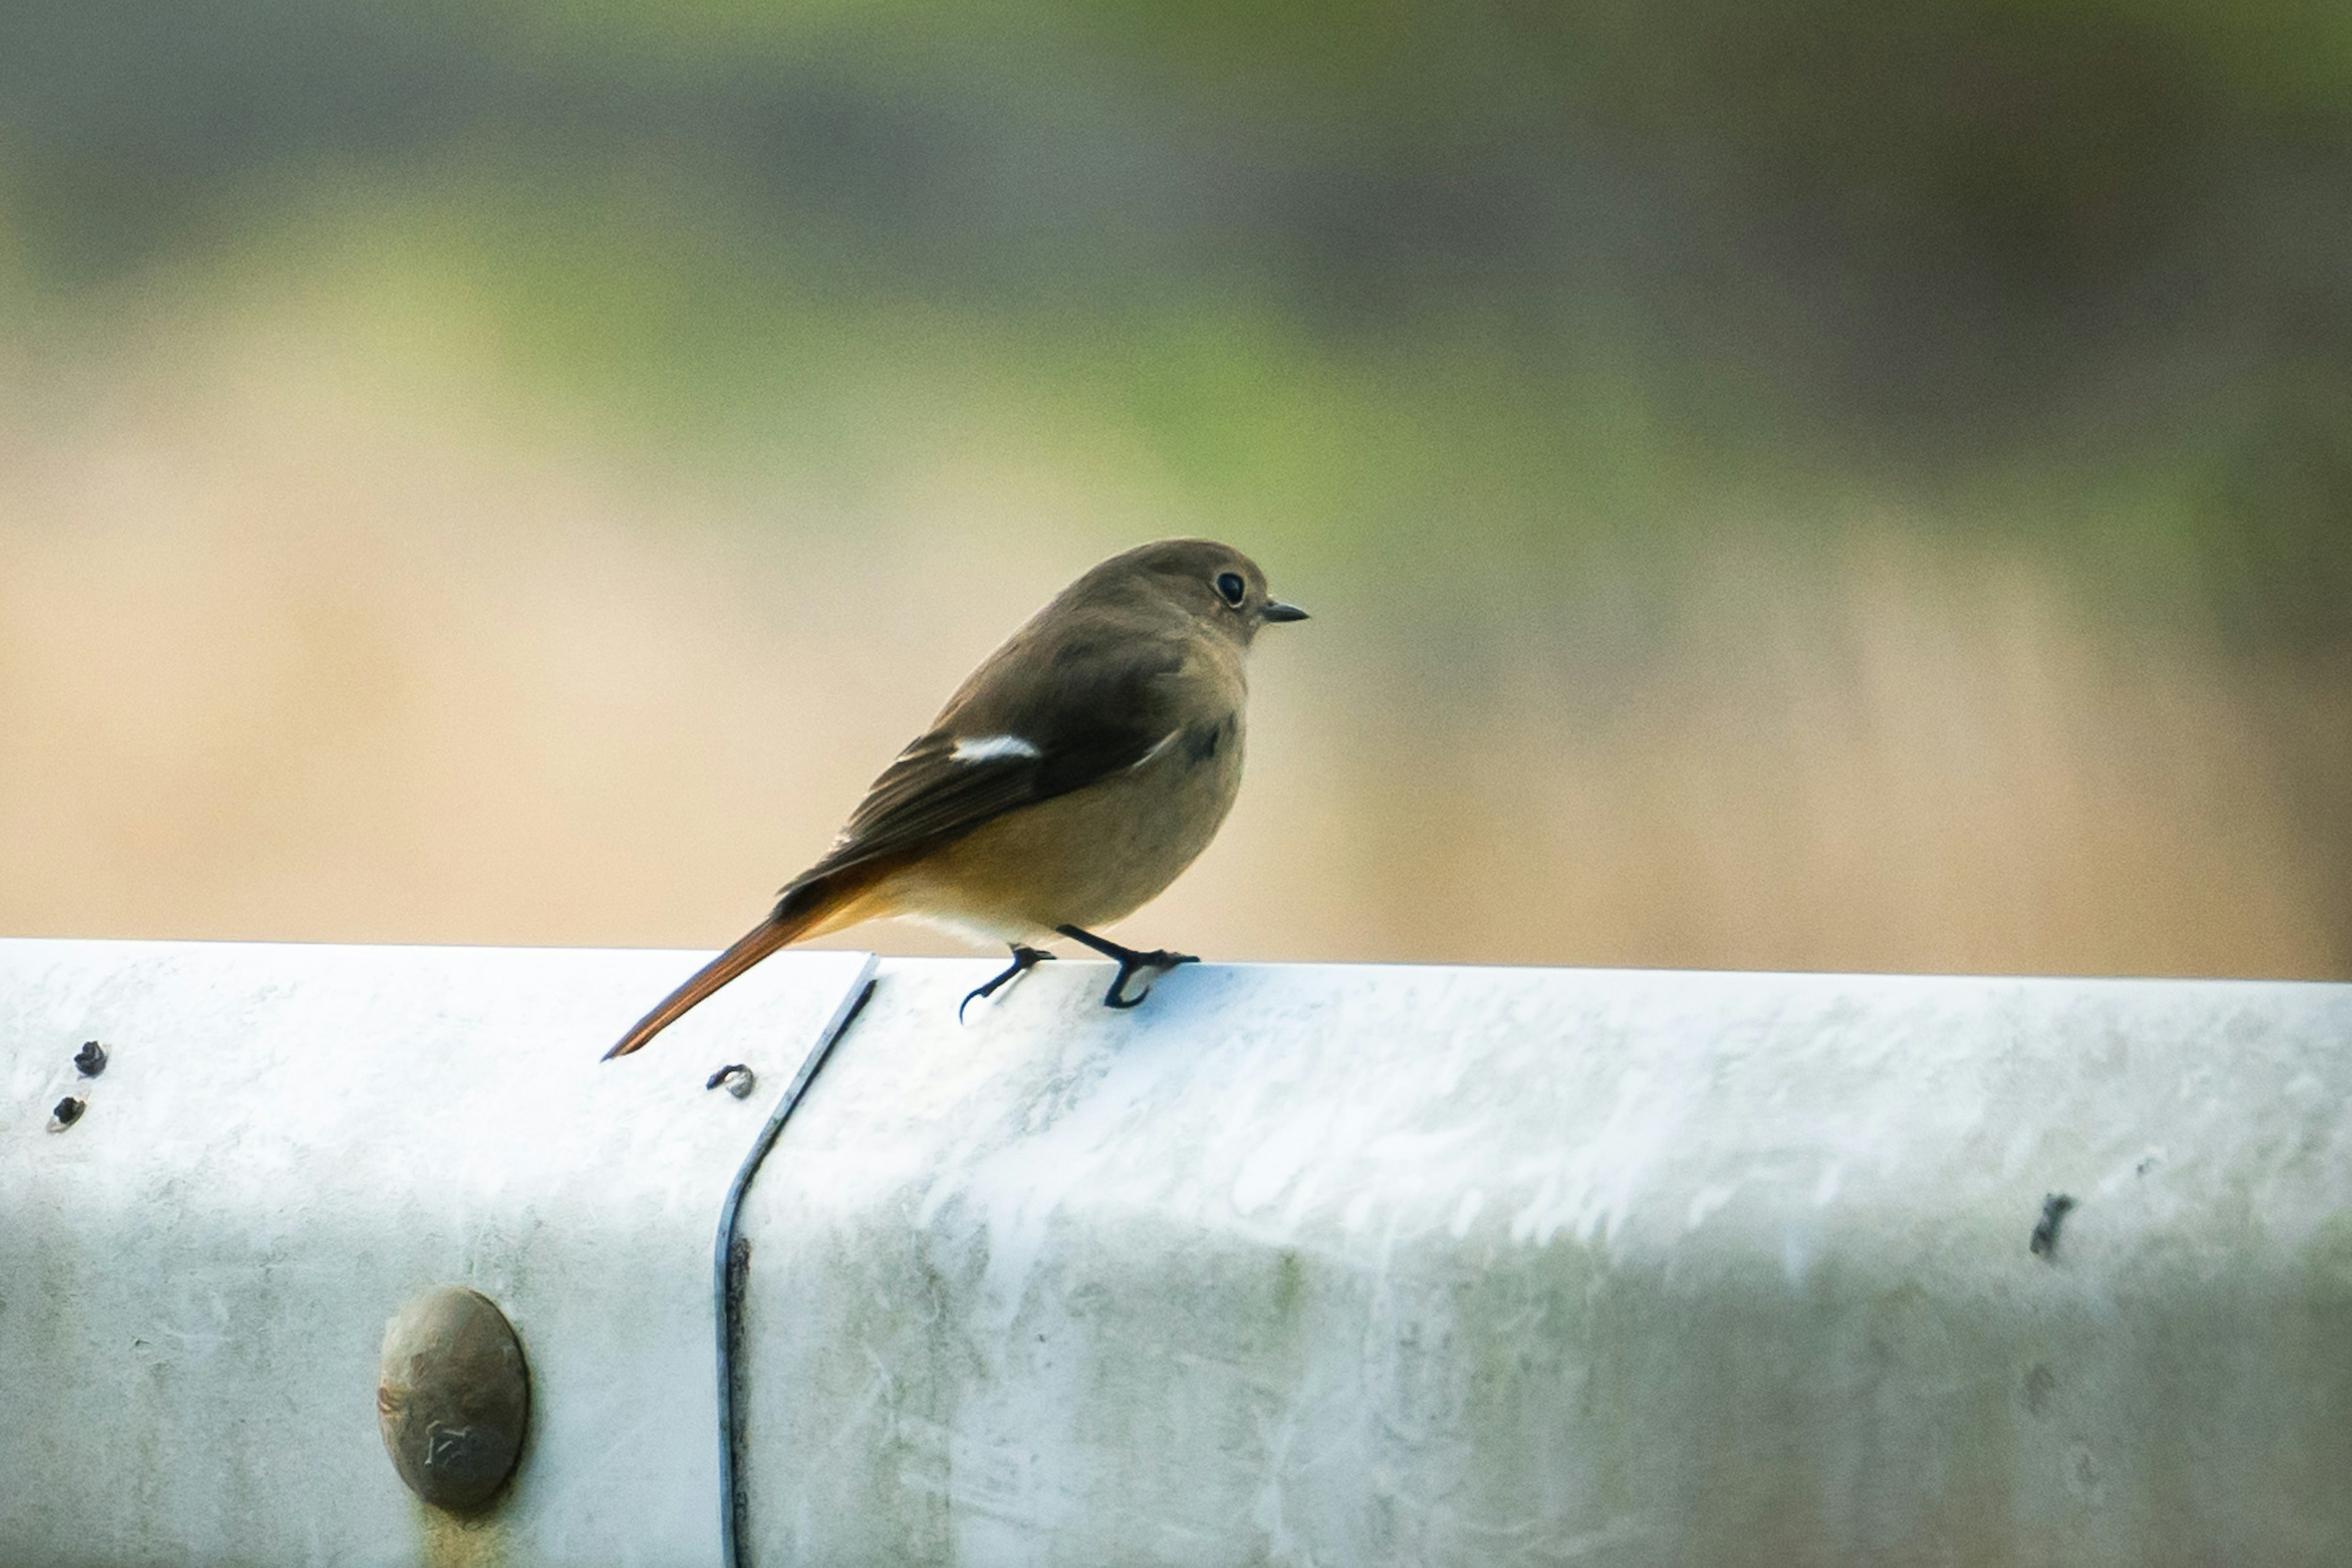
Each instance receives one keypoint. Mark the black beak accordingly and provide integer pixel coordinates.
(1276, 610)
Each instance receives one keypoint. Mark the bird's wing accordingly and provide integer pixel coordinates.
(1034, 723)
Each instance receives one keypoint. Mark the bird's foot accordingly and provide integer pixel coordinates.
(1024, 960)
(1157, 962)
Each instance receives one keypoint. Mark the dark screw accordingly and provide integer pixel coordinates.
(66, 1112)
(90, 1060)
(735, 1077)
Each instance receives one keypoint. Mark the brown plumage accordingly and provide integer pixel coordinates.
(1069, 780)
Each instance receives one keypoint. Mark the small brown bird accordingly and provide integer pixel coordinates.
(1077, 772)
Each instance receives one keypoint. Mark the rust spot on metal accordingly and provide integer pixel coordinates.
(2045, 1240)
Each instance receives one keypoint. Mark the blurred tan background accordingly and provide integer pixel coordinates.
(1830, 490)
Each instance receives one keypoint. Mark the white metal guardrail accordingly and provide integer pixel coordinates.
(1310, 1264)
(289, 1144)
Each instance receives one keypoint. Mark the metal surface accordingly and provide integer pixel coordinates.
(1289, 1264)
(289, 1144)
(729, 1256)
(452, 1397)
(1414, 1266)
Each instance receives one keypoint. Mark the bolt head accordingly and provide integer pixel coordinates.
(453, 1397)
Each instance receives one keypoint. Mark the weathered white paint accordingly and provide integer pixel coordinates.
(287, 1144)
(1459, 1266)
(1289, 1264)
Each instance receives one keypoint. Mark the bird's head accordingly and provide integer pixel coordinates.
(1219, 586)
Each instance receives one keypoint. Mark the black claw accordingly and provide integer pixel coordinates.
(1158, 961)
(1024, 959)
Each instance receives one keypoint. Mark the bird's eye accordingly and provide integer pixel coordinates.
(1230, 588)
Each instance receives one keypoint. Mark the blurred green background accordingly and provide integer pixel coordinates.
(1828, 485)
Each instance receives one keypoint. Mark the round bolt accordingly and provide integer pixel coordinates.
(90, 1060)
(735, 1079)
(453, 1397)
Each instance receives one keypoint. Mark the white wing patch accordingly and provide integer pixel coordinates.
(1159, 749)
(988, 748)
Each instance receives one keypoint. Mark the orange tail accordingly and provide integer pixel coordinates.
(795, 917)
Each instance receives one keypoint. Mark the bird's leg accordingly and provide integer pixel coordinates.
(1024, 959)
(1130, 961)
